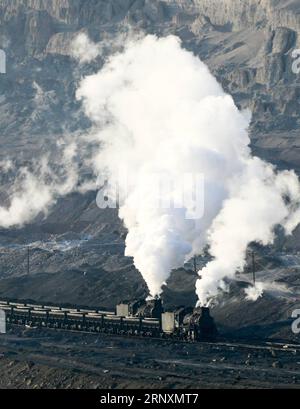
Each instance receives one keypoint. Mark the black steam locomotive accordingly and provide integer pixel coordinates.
(136, 318)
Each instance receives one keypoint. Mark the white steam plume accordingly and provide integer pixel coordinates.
(83, 49)
(253, 292)
(158, 109)
(259, 199)
(6, 165)
(35, 190)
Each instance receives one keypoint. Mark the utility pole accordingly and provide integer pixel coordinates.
(253, 267)
(28, 260)
(195, 265)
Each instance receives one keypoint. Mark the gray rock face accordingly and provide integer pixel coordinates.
(282, 40)
(247, 44)
(246, 13)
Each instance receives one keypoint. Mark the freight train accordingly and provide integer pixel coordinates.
(145, 318)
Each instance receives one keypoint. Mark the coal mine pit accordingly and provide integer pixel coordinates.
(149, 194)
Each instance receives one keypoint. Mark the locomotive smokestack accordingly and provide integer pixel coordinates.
(205, 311)
(203, 324)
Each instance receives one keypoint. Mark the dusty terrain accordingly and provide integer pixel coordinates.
(77, 250)
(55, 360)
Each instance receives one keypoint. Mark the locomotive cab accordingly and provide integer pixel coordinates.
(200, 325)
(151, 308)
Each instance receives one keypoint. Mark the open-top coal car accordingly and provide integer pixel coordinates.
(134, 318)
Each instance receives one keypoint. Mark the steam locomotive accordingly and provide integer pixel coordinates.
(145, 318)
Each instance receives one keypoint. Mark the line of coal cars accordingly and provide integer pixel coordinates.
(137, 318)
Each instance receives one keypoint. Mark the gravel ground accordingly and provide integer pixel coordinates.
(48, 359)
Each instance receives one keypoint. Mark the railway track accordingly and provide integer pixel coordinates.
(83, 313)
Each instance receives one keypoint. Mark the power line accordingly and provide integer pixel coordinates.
(28, 255)
(253, 267)
(195, 265)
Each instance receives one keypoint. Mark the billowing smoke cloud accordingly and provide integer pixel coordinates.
(84, 49)
(259, 199)
(254, 292)
(158, 110)
(36, 189)
(6, 165)
(33, 189)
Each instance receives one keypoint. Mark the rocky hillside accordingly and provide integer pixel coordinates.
(247, 44)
